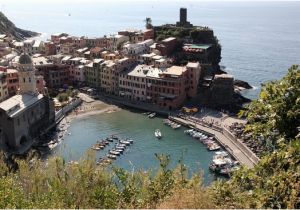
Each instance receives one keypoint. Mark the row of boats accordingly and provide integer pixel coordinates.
(117, 150)
(172, 124)
(209, 141)
(221, 163)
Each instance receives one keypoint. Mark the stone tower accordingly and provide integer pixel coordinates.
(26, 72)
(183, 19)
(183, 15)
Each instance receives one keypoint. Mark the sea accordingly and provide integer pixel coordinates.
(260, 41)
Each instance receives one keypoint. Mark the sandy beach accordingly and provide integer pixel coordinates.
(92, 108)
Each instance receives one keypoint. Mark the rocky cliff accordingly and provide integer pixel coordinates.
(7, 27)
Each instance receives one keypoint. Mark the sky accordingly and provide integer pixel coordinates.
(40, 1)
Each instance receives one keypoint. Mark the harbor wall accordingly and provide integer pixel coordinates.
(59, 115)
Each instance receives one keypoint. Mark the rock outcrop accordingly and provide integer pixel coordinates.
(7, 27)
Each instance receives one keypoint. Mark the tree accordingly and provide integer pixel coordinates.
(274, 117)
(148, 23)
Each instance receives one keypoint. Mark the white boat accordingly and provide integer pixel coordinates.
(175, 126)
(221, 154)
(152, 115)
(112, 156)
(188, 131)
(127, 143)
(213, 147)
(130, 141)
(114, 152)
(157, 134)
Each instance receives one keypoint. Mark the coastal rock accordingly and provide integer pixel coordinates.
(7, 27)
(242, 84)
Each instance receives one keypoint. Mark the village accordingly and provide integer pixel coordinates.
(41, 81)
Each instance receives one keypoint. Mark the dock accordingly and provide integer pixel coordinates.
(236, 148)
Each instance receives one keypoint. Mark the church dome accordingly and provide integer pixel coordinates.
(25, 59)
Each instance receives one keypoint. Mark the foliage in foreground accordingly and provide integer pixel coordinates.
(274, 118)
(56, 184)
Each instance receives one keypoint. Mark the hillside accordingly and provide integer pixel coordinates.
(7, 27)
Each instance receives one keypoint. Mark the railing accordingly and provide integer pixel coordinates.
(70, 106)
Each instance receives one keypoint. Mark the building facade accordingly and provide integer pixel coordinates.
(26, 115)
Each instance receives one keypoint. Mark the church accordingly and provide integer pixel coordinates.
(26, 115)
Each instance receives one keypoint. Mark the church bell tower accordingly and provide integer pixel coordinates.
(26, 72)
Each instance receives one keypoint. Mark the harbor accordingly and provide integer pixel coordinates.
(128, 124)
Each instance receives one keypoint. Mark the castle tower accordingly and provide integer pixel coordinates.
(183, 15)
(26, 73)
(183, 19)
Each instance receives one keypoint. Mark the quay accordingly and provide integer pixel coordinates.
(236, 148)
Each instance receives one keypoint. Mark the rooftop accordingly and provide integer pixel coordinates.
(169, 39)
(175, 70)
(37, 43)
(11, 71)
(193, 65)
(138, 71)
(197, 46)
(18, 103)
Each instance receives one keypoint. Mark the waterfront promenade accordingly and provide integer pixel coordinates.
(234, 147)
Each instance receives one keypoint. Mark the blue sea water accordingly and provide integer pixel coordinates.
(260, 40)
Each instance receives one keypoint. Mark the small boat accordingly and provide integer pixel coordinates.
(152, 115)
(115, 137)
(146, 113)
(110, 139)
(119, 150)
(119, 147)
(157, 134)
(188, 131)
(175, 126)
(167, 121)
(213, 147)
(130, 141)
(110, 156)
(96, 148)
(221, 154)
(114, 152)
(127, 143)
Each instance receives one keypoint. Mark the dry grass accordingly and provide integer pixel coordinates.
(195, 198)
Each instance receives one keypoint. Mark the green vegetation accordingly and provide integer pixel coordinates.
(273, 183)
(62, 97)
(274, 118)
(148, 22)
(202, 35)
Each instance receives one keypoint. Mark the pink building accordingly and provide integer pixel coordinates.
(12, 81)
(40, 83)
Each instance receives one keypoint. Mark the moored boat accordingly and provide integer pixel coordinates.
(157, 134)
(213, 147)
(152, 115)
(114, 152)
(112, 156)
(127, 143)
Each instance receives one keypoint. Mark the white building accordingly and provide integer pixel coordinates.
(137, 48)
(37, 47)
(132, 83)
(28, 46)
(116, 41)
